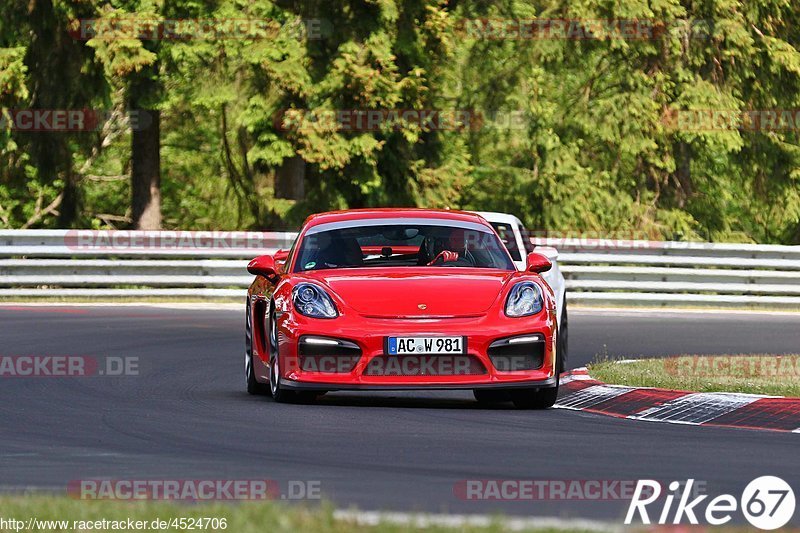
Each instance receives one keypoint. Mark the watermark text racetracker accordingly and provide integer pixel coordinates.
(742, 120)
(123, 240)
(67, 366)
(368, 120)
(750, 366)
(73, 120)
(405, 364)
(550, 489)
(194, 489)
(205, 29)
(582, 29)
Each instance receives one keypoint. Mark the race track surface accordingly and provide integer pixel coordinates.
(187, 416)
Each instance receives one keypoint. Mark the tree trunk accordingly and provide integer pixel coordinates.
(145, 152)
(68, 209)
(683, 173)
(290, 179)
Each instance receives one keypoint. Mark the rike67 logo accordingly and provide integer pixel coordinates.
(767, 502)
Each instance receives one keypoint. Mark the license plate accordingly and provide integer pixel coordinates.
(425, 345)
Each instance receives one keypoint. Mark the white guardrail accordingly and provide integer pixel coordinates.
(211, 265)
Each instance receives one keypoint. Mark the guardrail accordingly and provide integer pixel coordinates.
(211, 265)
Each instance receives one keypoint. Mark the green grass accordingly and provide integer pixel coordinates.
(249, 517)
(757, 374)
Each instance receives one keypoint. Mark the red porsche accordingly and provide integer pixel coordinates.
(388, 299)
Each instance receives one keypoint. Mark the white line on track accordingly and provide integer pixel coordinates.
(699, 408)
(591, 396)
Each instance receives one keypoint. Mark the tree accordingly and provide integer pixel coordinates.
(47, 70)
(132, 64)
(250, 130)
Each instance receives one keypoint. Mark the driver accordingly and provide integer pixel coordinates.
(334, 251)
(450, 249)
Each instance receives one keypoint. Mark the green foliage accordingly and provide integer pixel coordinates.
(571, 134)
(12, 74)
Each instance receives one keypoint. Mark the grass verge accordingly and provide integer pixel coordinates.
(250, 517)
(776, 375)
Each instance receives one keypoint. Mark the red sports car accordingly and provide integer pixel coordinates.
(388, 299)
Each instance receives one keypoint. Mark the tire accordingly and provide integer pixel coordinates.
(563, 339)
(253, 386)
(534, 398)
(490, 396)
(279, 394)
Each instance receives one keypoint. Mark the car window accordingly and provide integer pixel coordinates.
(506, 233)
(366, 243)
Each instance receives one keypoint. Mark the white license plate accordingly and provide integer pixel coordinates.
(425, 345)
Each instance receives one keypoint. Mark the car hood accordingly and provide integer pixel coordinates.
(420, 293)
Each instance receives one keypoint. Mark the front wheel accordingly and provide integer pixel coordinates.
(563, 338)
(534, 398)
(279, 394)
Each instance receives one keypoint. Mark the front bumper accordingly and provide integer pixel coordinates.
(369, 336)
(320, 386)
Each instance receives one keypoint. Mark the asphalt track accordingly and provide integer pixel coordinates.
(186, 416)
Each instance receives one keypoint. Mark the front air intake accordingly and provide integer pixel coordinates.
(327, 355)
(425, 365)
(517, 353)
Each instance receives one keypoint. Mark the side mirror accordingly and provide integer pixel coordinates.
(263, 265)
(538, 263)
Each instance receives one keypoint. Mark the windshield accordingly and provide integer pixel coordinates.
(398, 243)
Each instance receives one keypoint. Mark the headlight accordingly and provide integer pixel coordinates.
(525, 299)
(310, 300)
